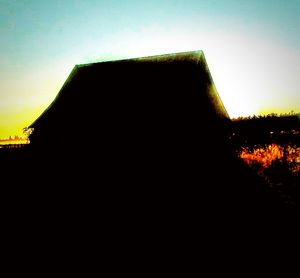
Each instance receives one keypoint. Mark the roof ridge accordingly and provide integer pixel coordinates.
(199, 52)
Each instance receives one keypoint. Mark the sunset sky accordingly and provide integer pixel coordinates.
(252, 48)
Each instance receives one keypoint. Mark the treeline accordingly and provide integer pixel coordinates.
(267, 129)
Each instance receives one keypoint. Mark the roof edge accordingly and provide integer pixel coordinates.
(213, 83)
(68, 80)
(194, 52)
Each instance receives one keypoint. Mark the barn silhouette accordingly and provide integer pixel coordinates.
(149, 136)
(136, 95)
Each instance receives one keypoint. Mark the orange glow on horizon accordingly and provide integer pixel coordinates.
(14, 141)
(266, 156)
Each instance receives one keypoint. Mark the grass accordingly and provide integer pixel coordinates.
(270, 145)
(279, 165)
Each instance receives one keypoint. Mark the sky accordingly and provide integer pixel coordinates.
(252, 48)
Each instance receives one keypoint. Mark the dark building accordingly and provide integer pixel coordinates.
(163, 137)
(136, 95)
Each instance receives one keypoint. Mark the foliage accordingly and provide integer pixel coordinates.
(270, 145)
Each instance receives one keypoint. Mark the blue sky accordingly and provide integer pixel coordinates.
(252, 48)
